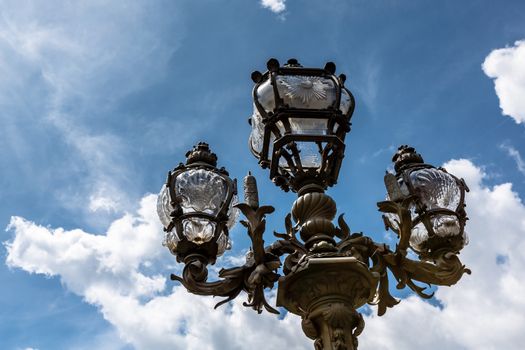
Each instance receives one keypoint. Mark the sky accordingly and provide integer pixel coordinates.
(100, 99)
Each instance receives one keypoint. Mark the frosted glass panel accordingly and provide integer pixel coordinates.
(309, 154)
(344, 105)
(233, 213)
(223, 243)
(164, 207)
(443, 226)
(308, 126)
(171, 241)
(201, 190)
(257, 134)
(438, 189)
(266, 96)
(198, 230)
(306, 91)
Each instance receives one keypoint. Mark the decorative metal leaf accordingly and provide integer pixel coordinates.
(405, 229)
(388, 207)
(390, 226)
(290, 238)
(255, 275)
(392, 187)
(384, 299)
(359, 329)
(280, 235)
(264, 210)
(289, 226)
(344, 230)
(247, 211)
(419, 290)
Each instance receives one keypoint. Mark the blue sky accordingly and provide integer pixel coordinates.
(99, 99)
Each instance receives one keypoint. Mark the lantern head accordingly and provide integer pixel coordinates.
(436, 204)
(196, 207)
(299, 123)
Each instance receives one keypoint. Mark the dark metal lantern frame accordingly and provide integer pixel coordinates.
(324, 271)
(406, 161)
(331, 145)
(328, 272)
(199, 158)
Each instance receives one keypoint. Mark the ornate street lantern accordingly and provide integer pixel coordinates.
(435, 200)
(196, 207)
(300, 119)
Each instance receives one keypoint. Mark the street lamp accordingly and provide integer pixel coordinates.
(300, 120)
(196, 207)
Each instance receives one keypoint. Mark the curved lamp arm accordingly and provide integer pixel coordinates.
(253, 277)
(443, 268)
(259, 270)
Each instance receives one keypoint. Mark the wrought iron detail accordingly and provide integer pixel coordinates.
(301, 117)
(253, 277)
(324, 271)
(310, 283)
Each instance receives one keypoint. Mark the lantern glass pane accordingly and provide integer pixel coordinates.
(223, 243)
(394, 218)
(171, 241)
(282, 130)
(233, 213)
(308, 152)
(344, 105)
(443, 226)
(164, 207)
(266, 96)
(198, 230)
(438, 189)
(309, 126)
(257, 134)
(201, 190)
(309, 92)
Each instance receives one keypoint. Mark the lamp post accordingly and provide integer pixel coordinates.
(300, 120)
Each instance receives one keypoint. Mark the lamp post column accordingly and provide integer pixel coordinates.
(336, 325)
(328, 284)
(325, 293)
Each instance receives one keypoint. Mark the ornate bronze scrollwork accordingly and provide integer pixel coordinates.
(328, 271)
(253, 277)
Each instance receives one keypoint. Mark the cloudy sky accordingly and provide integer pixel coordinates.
(99, 99)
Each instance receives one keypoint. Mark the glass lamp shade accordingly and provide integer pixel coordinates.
(299, 122)
(196, 208)
(437, 208)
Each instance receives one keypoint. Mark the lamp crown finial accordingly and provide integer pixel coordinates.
(201, 153)
(293, 62)
(406, 155)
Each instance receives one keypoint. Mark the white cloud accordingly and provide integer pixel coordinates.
(114, 272)
(515, 154)
(104, 199)
(86, 261)
(484, 310)
(276, 6)
(507, 67)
